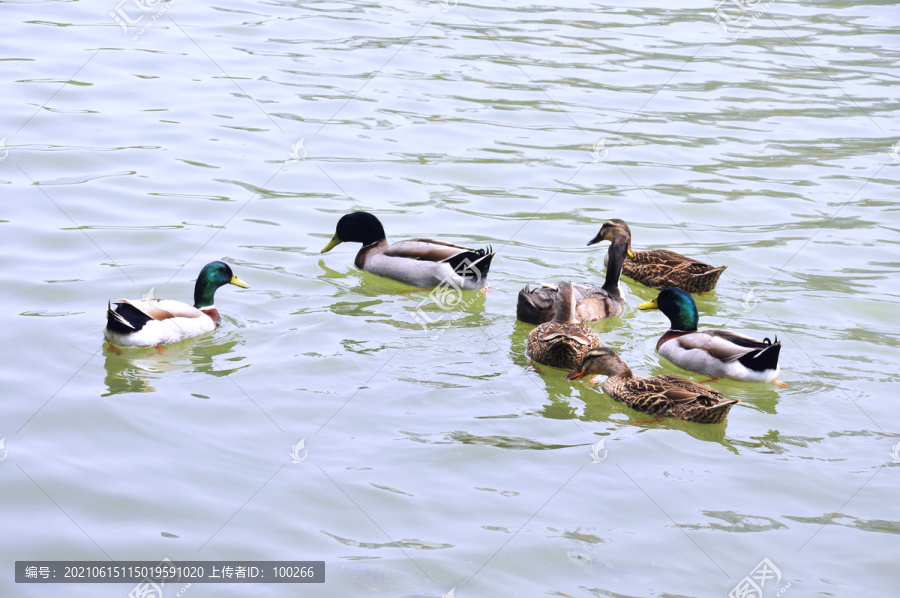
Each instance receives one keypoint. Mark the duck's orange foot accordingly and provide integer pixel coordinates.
(113, 349)
(160, 349)
(710, 380)
(779, 382)
(486, 289)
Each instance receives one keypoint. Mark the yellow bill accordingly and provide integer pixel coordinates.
(649, 305)
(334, 242)
(238, 282)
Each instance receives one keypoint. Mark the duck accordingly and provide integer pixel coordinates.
(423, 263)
(667, 396)
(563, 342)
(154, 322)
(714, 353)
(660, 268)
(592, 302)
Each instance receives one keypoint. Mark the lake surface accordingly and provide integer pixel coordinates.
(440, 459)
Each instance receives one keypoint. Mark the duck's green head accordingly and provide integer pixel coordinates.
(357, 227)
(678, 306)
(212, 276)
(610, 230)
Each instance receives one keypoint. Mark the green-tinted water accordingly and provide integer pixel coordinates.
(441, 458)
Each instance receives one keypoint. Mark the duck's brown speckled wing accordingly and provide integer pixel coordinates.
(661, 269)
(671, 396)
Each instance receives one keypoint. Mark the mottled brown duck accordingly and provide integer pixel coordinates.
(565, 341)
(661, 268)
(666, 396)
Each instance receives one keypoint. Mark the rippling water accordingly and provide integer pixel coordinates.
(441, 458)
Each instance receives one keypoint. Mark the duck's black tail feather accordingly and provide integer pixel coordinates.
(472, 265)
(125, 318)
(763, 359)
(534, 306)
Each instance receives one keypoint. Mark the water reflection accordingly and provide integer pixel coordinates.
(133, 370)
(429, 312)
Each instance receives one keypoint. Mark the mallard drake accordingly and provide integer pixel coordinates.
(661, 268)
(423, 263)
(668, 396)
(592, 302)
(153, 322)
(563, 342)
(714, 353)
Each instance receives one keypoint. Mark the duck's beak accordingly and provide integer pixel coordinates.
(238, 282)
(596, 239)
(649, 305)
(579, 373)
(334, 242)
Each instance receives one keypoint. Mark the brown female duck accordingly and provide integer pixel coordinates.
(563, 342)
(668, 396)
(661, 268)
